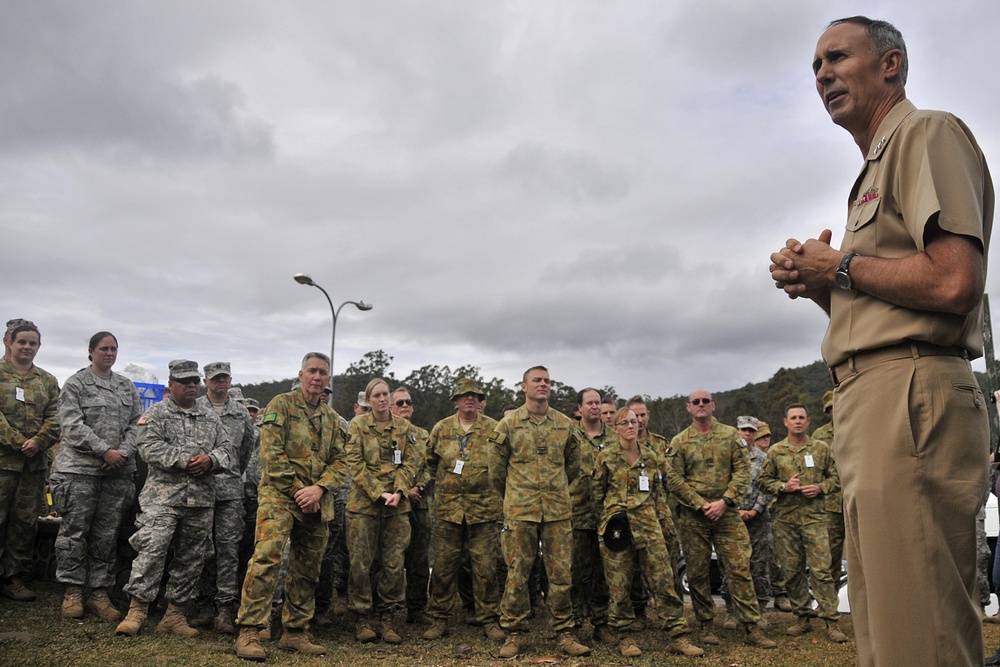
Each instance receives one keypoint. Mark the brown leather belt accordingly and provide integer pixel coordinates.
(910, 349)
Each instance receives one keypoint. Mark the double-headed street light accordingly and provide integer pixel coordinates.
(303, 279)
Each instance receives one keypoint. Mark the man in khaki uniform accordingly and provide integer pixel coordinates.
(535, 457)
(904, 298)
(798, 470)
(709, 472)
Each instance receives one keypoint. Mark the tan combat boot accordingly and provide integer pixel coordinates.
(756, 637)
(628, 648)
(387, 632)
(99, 604)
(708, 636)
(605, 635)
(15, 590)
(834, 633)
(72, 604)
(363, 630)
(298, 640)
(801, 626)
(438, 629)
(174, 621)
(511, 646)
(134, 619)
(223, 622)
(683, 646)
(569, 645)
(729, 622)
(248, 645)
(494, 632)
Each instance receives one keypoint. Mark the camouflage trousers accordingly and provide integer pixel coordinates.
(590, 589)
(219, 580)
(669, 526)
(800, 545)
(382, 536)
(416, 558)
(520, 540)
(189, 531)
(654, 559)
(91, 507)
(984, 559)
(307, 535)
(761, 552)
(451, 540)
(837, 531)
(336, 560)
(731, 540)
(21, 503)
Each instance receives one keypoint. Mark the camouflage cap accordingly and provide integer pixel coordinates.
(16, 323)
(762, 430)
(467, 386)
(217, 368)
(236, 394)
(362, 403)
(618, 532)
(183, 368)
(747, 422)
(252, 404)
(827, 401)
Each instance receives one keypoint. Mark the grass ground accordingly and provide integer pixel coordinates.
(34, 634)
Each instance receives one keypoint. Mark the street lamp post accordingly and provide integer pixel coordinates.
(303, 279)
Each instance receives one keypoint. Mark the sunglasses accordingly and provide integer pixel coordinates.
(187, 381)
(403, 401)
(700, 401)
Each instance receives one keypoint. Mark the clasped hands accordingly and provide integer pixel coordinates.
(805, 269)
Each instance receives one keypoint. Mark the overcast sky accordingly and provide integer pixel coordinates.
(592, 186)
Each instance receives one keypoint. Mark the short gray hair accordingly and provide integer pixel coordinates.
(884, 37)
(316, 355)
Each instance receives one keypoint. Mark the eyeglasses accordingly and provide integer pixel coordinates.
(628, 422)
(403, 401)
(187, 380)
(700, 401)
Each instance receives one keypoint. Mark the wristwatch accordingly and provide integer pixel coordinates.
(842, 278)
(729, 501)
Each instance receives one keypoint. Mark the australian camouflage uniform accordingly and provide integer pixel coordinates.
(96, 415)
(466, 516)
(532, 464)
(759, 527)
(27, 412)
(666, 510)
(176, 507)
(416, 558)
(381, 459)
(590, 589)
(619, 485)
(300, 446)
(835, 513)
(800, 523)
(707, 468)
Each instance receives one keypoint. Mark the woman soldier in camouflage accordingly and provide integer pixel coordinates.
(92, 477)
(627, 480)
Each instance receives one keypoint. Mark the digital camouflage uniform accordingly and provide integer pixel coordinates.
(707, 468)
(532, 464)
(96, 415)
(835, 514)
(299, 447)
(801, 537)
(759, 527)
(22, 478)
(466, 516)
(617, 487)
(220, 570)
(176, 507)
(374, 530)
(590, 589)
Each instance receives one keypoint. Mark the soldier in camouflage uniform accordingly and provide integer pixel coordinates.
(535, 457)
(626, 479)
(709, 473)
(799, 470)
(753, 510)
(182, 445)
(92, 479)
(219, 579)
(466, 512)
(383, 456)
(590, 590)
(834, 501)
(28, 428)
(763, 443)
(251, 480)
(302, 460)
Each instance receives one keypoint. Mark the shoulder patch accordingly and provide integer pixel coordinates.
(497, 438)
(143, 420)
(270, 417)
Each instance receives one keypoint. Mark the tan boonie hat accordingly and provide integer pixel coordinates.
(762, 430)
(362, 403)
(217, 368)
(467, 386)
(747, 422)
(181, 369)
(827, 401)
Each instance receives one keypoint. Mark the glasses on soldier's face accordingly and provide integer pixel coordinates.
(403, 401)
(187, 380)
(628, 422)
(700, 401)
